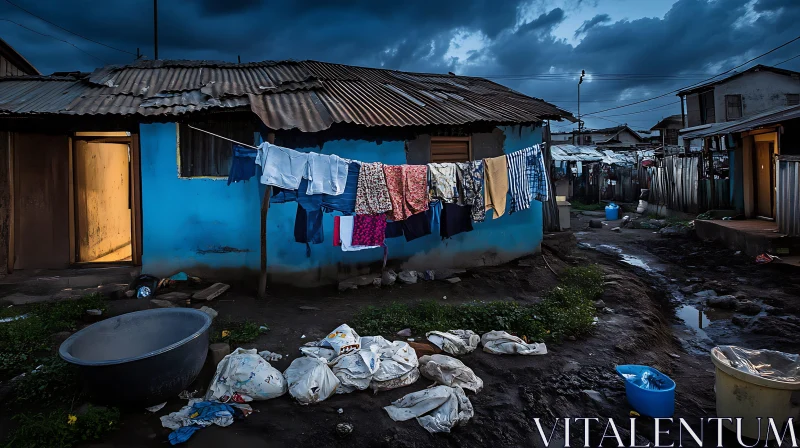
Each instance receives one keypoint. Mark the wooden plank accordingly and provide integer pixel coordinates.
(262, 283)
(73, 236)
(136, 201)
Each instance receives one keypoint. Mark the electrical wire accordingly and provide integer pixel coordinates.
(787, 60)
(674, 103)
(64, 29)
(56, 38)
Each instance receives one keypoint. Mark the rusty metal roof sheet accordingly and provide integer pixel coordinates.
(306, 95)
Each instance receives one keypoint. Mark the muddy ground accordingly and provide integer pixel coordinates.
(655, 319)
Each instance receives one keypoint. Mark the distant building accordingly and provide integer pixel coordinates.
(12, 63)
(617, 137)
(668, 128)
(741, 95)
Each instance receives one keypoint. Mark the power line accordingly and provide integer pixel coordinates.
(701, 82)
(64, 29)
(56, 38)
(787, 60)
(645, 110)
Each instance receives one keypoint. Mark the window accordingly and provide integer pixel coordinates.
(792, 99)
(671, 137)
(733, 107)
(203, 155)
(450, 149)
(707, 107)
(587, 139)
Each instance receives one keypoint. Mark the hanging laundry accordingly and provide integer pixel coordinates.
(518, 185)
(243, 165)
(408, 189)
(336, 241)
(369, 230)
(470, 187)
(281, 167)
(394, 229)
(372, 195)
(415, 226)
(346, 235)
(434, 211)
(326, 174)
(537, 173)
(455, 219)
(308, 227)
(495, 174)
(345, 202)
(442, 181)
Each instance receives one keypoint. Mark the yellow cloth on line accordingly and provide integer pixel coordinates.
(495, 178)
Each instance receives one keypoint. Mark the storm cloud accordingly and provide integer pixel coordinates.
(514, 42)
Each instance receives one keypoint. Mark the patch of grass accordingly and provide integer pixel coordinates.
(582, 207)
(236, 332)
(567, 310)
(59, 428)
(53, 380)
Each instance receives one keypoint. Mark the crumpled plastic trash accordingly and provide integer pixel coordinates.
(310, 380)
(270, 356)
(449, 371)
(398, 364)
(355, 370)
(437, 409)
(454, 342)
(342, 340)
(502, 343)
(769, 364)
(319, 352)
(245, 376)
(199, 414)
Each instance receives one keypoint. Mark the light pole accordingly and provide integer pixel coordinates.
(580, 123)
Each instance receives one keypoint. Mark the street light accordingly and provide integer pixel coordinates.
(580, 81)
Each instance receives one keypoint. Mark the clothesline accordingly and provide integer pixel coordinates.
(224, 138)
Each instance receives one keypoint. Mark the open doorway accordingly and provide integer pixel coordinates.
(102, 199)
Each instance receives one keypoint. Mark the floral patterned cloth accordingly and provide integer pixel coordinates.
(408, 190)
(369, 230)
(443, 181)
(372, 195)
(470, 187)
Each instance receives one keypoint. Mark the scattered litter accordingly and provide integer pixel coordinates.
(398, 364)
(180, 276)
(303, 337)
(437, 409)
(354, 370)
(13, 318)
(449, 371)
(340, 411)
(616, 229)
(502, 343)
(674, 355)
(263, 328)
(145, 286)
(210, 311)
(245, 376)
(319, 352)
(404, 333)
(765, 258)
(344, 429)
(444, 297)
(94, 312)
(186, 395)
(455, 342)
(648, 391)
(738, 252)
(270, 356)
(309, 308)
(453, 280)
(156, 408)
(342, 340)
(410, 339)
(212, 292)
(634, 414)
(310, 380)
(199, 414)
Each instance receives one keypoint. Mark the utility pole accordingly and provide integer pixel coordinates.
(580, 123)
(155, 29)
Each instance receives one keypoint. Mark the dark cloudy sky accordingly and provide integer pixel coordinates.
(631, 49)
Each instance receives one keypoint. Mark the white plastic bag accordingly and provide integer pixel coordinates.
(310, 380)
(319, 352)
(245, 376)
(454, 342)
(449, 371)
(395, 383)
(397, 359)
(342, 340)
(355, 370)
(437, 409)
(502, 343)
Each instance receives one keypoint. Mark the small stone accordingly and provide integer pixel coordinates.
(407, 277)
(377, 282)
(388, 278)
(748, 307)
(725, 302)
(309, 308)
(405, 332)
(453, 280)
(210, 311)
(344, 429)
(340, 411)
(608, 310)
(599, 304)
(158, 303)
(94, 312)
(594, 396)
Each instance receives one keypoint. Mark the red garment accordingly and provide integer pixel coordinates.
(369, 230)
(408, 190)
(336, 240)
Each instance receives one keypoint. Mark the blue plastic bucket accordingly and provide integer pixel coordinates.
(612, 212)
(649, 391)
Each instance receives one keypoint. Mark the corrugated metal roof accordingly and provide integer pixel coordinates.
(773, 116)
(574, 153)
(308, 95)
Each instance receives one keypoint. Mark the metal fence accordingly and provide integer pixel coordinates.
(788, 197)
(679, 183)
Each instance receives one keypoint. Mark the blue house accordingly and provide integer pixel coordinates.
(110, 167)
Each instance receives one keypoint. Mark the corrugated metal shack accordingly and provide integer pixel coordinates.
(183, 216)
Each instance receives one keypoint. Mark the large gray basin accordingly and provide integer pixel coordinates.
(140, 358)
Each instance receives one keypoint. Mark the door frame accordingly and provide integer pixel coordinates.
(770, 138)
(134, 179)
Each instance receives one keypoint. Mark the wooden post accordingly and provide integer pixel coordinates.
(262, 283)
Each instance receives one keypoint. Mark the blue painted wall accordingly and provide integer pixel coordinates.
(208, 227)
